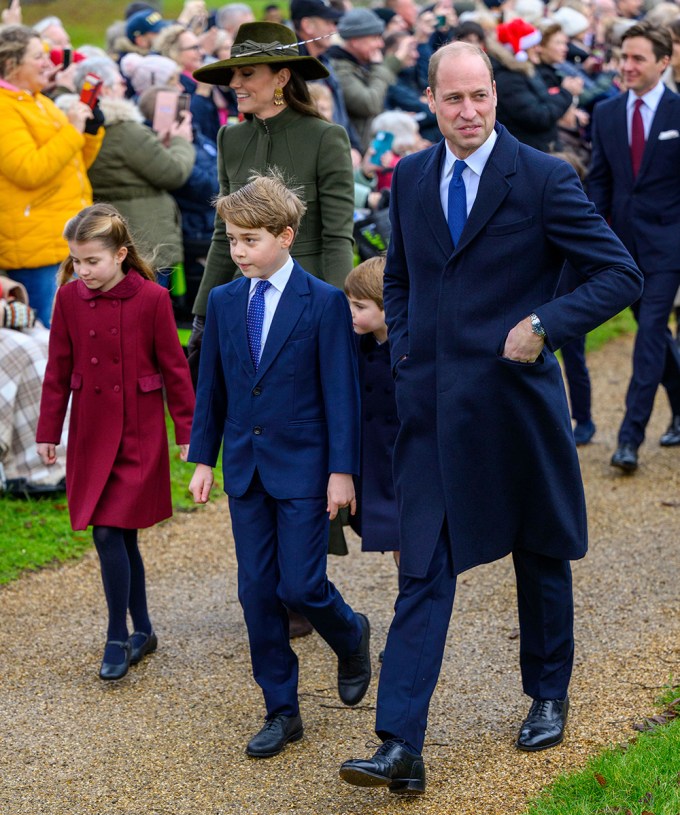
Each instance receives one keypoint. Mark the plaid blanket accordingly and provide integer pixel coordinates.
(23, 357)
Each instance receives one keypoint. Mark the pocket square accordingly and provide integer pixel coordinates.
(668, 134)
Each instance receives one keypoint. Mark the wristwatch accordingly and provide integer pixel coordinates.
(537, 325)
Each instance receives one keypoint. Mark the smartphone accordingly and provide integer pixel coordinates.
(381, 144)
(89, 93)
(165, 111)
(66, 55)
(441, 20)
(183, 105)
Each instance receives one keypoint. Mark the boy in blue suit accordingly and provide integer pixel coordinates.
(278, 382)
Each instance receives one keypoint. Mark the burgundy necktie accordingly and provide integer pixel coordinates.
(637, 138)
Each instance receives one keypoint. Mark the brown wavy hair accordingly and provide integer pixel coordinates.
(104, 223)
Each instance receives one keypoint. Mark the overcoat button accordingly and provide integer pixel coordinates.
(257, 431)
(93, 333)
(116, 388)
(116, 360)
(94, 361)
(257, 391)
(97, 389)
(92, 304)
(114, 304)
(114, 331)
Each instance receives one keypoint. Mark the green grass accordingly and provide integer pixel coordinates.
(640, 778)
(87, 21)
(37, 532)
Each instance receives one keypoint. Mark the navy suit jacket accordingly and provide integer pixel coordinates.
(297, 418)
(645, 211)
(486, 442)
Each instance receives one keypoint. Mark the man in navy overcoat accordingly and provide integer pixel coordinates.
(643, 203)
(485, 463)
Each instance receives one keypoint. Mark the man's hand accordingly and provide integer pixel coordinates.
(522, 345)
(183, 452)
(340, 494)
(201, 483)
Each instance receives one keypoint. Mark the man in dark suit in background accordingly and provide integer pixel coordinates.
(634, 181)
(485, 463)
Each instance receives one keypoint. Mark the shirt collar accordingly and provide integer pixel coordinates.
(651, 98)
(278, 279)
(475, 161)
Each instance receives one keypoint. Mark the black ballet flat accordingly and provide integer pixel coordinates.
(116, 670)
(141, 644)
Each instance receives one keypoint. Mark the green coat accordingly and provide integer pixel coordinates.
(133, 172)
(313, 155)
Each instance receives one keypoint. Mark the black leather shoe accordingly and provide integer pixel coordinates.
(141, 644)
(584, 432)
(298, 625)
(354, 672)
(278, 730)
(625, 458)
(671, 438)
(116, 670)
(544, 726)
(392, 766)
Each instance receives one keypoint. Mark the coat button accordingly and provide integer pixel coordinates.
(97, 389)
(94, 361)
(114, 331)
(257, 391)
(114, 304)
(93, 333)
(116, 388)
(257, 431)
(116, 360)
(93, 304)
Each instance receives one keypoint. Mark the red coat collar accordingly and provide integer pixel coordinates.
(128, 287)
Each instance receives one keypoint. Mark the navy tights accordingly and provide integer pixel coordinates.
(123, 579)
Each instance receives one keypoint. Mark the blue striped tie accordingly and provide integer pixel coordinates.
(255, 321)
(457, 202)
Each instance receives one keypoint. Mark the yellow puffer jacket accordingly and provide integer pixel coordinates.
(43, 178)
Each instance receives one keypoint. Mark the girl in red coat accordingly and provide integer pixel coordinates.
(113, 348)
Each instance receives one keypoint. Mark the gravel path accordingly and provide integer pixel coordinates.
(168, 739)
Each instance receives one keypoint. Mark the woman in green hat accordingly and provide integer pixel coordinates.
(282, 129)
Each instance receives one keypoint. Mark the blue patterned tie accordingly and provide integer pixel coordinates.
(255, 321)
(457, 202)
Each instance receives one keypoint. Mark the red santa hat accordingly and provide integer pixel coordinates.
(518, 36)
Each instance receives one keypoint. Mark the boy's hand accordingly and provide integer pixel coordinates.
(201, 483)
(183, 452)
(340, 494)
(48, 453)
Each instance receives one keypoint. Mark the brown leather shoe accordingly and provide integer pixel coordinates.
(298, 626)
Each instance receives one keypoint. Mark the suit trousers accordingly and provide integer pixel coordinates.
(281, 550)
(578, 379)
(655, 357)
(417, 636)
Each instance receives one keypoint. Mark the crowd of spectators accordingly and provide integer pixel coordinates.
(553, 62)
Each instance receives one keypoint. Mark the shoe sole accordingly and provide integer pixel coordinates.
(540, 747)
(295, 737)
(398, 786)
(626, 468)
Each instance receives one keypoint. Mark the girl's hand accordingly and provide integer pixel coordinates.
(182, 128)
(340, 494)
(184, 451)
(201, 483)
(47, 453)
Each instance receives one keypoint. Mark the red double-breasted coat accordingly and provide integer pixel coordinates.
(114, 352)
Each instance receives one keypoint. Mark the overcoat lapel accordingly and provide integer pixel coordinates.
(430, 200)
(294, 299)
(237, 311)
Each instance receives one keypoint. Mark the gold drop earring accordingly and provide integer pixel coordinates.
(278, 97)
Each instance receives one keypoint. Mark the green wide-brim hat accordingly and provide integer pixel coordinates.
(258, 43)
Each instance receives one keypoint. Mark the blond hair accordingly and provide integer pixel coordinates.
(104, 223)
(365, 282)
(265, 202)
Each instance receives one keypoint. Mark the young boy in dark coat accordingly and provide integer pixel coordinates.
(278, 382)
(376, 519)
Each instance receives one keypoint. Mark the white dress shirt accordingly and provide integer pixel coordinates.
(476, 162)
(272, 296)
(647, 110)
